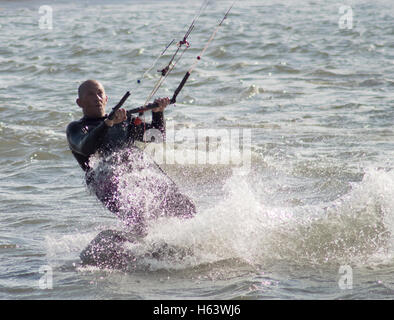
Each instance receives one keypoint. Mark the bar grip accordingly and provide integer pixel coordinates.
(149, 106)
(173, 99)
(154, 105)
(120, 103)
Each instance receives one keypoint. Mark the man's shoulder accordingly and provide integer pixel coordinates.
(76, 124)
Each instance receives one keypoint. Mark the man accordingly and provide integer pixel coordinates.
(124, 179)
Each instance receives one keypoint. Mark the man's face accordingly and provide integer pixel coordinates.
(93, 100)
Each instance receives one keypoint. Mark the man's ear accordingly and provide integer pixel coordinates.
(78, 101)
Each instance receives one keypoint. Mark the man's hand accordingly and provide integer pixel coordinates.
(120, 116)
(163, 103)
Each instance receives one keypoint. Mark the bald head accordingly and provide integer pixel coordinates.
(83, 88)
(92, 98)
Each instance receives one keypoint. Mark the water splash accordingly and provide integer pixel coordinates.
(355, 228)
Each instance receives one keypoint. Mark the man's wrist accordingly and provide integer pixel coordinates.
(108, 122)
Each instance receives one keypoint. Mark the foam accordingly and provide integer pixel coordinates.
(356, 228)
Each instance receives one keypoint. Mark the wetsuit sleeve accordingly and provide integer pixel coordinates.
(137, 130)
(85, 142)
(158, 122)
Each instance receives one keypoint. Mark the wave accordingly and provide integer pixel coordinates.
(356, 228)
(242, 229)
(254, 90)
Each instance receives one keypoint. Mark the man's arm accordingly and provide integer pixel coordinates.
(83, 142)
(158, 121)
(138, 129)
(158, 115)
(86, 142)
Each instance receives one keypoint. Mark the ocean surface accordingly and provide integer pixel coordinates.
(303, 206)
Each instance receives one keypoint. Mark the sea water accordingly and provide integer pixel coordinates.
(305, 88)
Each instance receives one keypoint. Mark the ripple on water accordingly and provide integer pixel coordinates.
(316, 98)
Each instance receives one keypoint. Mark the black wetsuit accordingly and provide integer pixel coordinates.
(89, 136)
